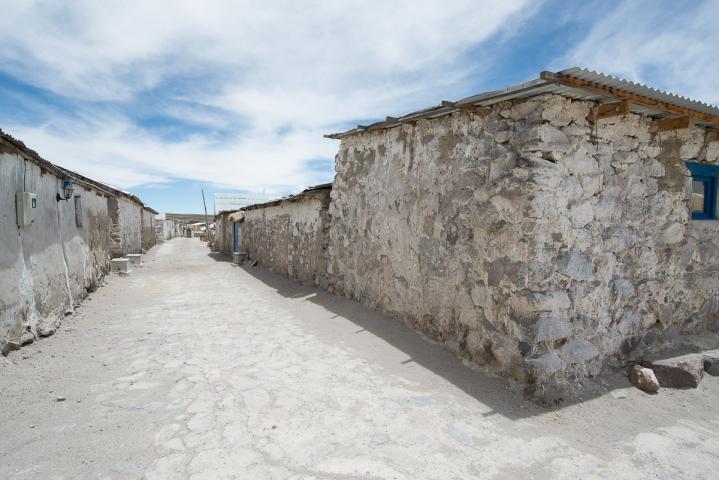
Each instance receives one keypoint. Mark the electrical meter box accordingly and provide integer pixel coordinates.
(26, 204)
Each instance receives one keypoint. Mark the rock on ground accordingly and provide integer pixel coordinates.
(711, 362)
(684, 371)
(27, 338)
(644, 379)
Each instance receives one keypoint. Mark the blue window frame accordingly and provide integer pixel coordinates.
(705, 179)
(235, 237)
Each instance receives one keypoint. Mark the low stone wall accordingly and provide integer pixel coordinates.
(290, 236)
(532, 242)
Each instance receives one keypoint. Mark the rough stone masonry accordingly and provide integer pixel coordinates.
(532, 241)
(288, 236)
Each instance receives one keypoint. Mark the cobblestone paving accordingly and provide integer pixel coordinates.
(193, 368)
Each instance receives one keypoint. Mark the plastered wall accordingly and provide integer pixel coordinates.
(47, 267)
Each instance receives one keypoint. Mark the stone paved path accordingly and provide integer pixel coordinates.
(193, 368)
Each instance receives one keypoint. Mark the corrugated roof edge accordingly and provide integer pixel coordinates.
(32, 155)
(628, 85)
(531, 88)
(290, 198)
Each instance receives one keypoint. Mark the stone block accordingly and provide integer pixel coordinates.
(545, 365)
(45, 330)
(578, 350)
(684, 371)
(576, 265)
(7, 346)
(644, 379)
(120, 265)
(135, 259)
(552, 327)
(673, 233)
(582, 160)
(527, 302)
(239, 258)
(711, 362)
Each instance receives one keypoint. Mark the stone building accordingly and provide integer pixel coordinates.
(289, 235)
(58, 231)
(166, 229)
(226, 240)
(540, 230)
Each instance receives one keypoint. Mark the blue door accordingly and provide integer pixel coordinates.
(234, 237)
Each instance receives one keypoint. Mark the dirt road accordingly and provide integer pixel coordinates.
(193, 368)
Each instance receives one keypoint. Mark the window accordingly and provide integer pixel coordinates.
(703, 201)
(78, 210)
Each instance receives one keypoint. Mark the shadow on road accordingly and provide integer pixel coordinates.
(498, 394)
(495, 393)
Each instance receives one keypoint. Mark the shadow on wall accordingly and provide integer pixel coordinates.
(497, 394)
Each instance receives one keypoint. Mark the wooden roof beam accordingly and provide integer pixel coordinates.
(606, 91)
(669, 124)
(607, 110)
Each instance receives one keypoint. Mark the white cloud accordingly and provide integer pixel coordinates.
(672, 48)
(300, 67)
(125, 156)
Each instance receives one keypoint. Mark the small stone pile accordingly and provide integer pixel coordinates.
(684, 371)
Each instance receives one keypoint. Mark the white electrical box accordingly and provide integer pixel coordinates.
(26, 204)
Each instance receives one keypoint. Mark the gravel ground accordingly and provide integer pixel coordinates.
(191, 367)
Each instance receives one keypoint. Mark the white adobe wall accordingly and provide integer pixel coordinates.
(48, 267)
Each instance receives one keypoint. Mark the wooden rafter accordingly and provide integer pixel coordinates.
(604, 90)
(607, 110)
(667, 124)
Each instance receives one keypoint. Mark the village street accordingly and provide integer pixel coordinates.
(191, 367)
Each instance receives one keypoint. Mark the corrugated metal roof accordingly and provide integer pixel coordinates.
(289, 198)
(542, 86)
(640, 89)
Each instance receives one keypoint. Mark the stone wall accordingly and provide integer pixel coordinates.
(126, 226)
(530, 241)
(290, 236)
(46, 268)
(224, 235)
(169, 229)
(148, 229)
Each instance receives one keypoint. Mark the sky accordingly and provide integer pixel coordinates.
(167, 98)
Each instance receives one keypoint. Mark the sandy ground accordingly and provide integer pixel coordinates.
(194, 368)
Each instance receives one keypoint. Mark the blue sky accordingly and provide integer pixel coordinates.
(166, 98)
